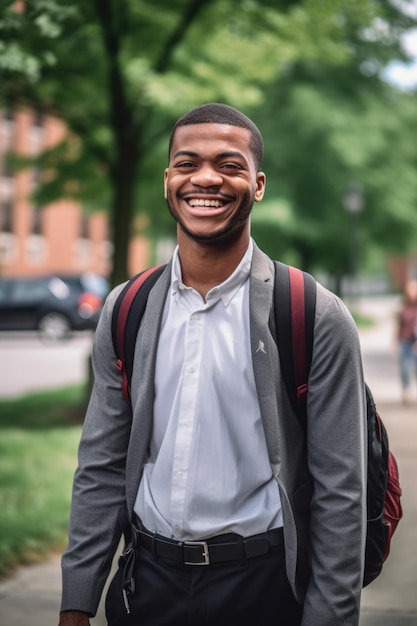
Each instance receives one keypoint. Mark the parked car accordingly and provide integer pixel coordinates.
(54, 305)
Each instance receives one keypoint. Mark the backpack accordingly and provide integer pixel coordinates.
(383, 499)
(295, 291)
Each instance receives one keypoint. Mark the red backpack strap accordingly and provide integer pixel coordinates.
(298, 331)
(294, 307)
(127, 314)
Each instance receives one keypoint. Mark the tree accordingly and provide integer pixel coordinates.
(119, 71)
(329, 128)
(324, 141)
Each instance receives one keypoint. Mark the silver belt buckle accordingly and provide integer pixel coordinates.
(204, 553)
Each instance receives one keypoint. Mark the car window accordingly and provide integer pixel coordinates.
(59, 288)
(73, 282)
(28, 290)
(3, 290)
(96, 283)
(38, 289)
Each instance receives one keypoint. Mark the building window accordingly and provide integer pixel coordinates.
(36, 134)
(38, 118)
(36, 249)
(106, 250)
(7, 170)
(36, 221)
(8, 242)
(6, 130)
(6, 216)
(6, 179)
(7, 119)
(83, 252)
(36, 177)
(84, 227)
(8, 116)
(8, 249)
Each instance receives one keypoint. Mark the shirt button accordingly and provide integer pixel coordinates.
(179, 474)
(192, 370)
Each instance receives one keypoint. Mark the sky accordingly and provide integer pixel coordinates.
(404, 75)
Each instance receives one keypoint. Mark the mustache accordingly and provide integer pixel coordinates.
(206, 191)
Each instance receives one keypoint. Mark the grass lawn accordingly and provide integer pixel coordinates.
(39, 435)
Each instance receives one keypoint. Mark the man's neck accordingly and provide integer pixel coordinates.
(203, 266)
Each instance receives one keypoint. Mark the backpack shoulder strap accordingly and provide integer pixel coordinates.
(294, 305)
(127, 314)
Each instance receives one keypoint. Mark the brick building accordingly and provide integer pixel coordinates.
(59, 237)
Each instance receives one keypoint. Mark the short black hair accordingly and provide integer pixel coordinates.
(217, 113)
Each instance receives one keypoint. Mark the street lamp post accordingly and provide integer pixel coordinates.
(353, 204)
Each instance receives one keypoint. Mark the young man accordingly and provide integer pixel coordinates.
(237, 516)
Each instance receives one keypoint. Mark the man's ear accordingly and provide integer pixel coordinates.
(165, 182)
(260, 186)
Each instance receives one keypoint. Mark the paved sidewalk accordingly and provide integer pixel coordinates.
(31, 597)
(391, 600)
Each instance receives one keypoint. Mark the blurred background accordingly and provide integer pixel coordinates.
(89, 90)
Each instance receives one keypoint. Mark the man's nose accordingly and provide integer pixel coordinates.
(207, 176)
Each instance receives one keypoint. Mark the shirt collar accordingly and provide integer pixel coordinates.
(226, 290)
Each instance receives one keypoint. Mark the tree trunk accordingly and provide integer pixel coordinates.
(123, 209)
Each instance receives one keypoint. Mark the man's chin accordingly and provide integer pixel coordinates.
(226, 235)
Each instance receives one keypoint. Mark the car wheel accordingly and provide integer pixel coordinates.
(54, 327)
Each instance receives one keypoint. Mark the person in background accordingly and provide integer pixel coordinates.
(235, 514)
(407, 340)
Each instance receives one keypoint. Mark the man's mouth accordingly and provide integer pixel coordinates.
(200, 202)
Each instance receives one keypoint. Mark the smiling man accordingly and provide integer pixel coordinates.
(231, 515)
(212, 181)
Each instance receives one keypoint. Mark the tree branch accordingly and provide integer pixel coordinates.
(179, 33)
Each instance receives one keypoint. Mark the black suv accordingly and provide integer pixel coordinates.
(54, 305)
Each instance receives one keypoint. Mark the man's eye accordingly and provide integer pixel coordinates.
(185, 164)
(231, 166)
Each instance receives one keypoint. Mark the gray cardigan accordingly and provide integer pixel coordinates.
(322, 478)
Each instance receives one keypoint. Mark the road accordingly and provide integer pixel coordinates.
(27, 364)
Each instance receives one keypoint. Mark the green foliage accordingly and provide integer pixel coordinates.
(362, 321)
(42, 410)
(38, 451)
(324, 129)
(23, 57)
(36, 470)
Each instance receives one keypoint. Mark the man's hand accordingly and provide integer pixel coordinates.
(74, 618)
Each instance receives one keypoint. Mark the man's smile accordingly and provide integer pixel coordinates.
(203, 202)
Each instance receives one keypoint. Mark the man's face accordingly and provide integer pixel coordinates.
(211, 182)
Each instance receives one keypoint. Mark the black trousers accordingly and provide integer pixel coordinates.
(167, 593)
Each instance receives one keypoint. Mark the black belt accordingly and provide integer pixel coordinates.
(213, 550)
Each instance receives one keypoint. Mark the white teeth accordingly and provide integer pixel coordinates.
(205, 203)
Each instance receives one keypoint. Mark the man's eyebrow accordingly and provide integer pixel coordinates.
(185, 153)
(221, 155)
(231, 153)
